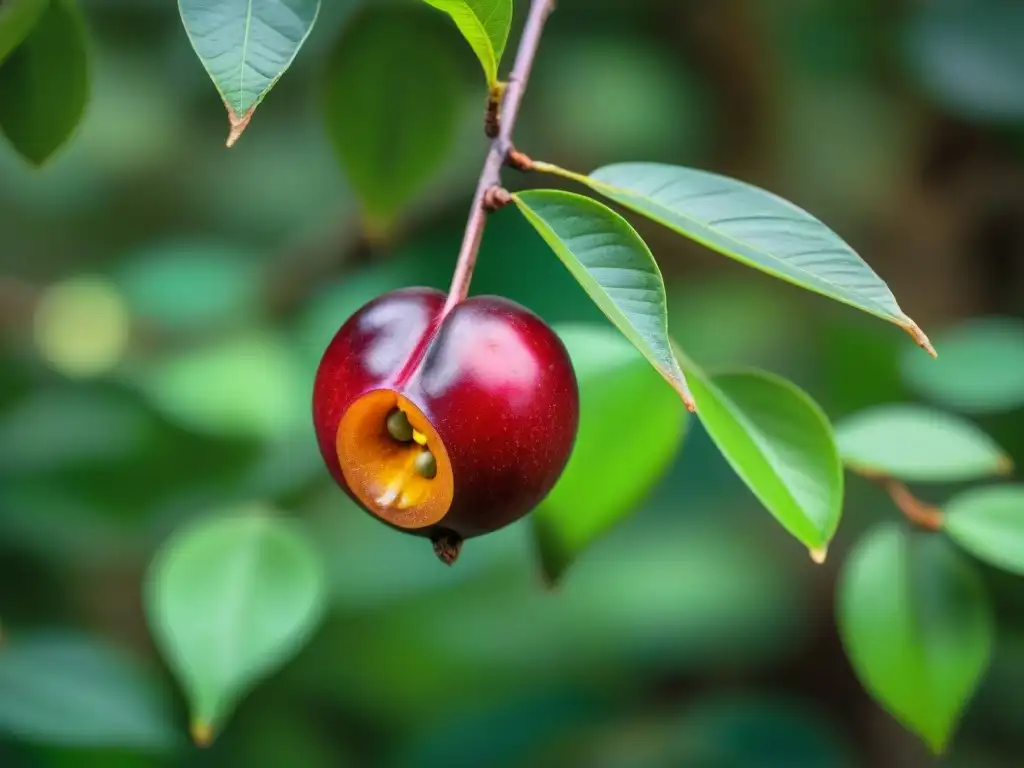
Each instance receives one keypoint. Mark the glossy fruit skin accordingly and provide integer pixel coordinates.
(494, 380)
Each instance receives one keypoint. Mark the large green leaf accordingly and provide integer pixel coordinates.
(989, 523)
(391, 100)
(981, 369)
(917, 625)
(72, 691)
(229, 600)
(614, 266)
(918, 444)
(780, 443)
(631, 425)
(752, 226)
(44, 83)
(485, 24)
(17, 17)
(245, 46)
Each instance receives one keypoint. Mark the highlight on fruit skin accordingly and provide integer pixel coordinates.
(446, 427)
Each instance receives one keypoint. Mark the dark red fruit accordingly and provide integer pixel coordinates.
(445, 426)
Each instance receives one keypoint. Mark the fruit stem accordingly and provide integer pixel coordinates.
(490, 176)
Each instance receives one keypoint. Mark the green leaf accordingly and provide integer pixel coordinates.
(191, 285)
(752, 226)
(917, 625)
(17, 17)
(392, 129)
(989, 523)
(970, 62)
(614, 266)
(780, 443)
(248, 386)
(44, 83)
(981, 369)
(485, 24)
(245, 46)
(918, 444)
(631, 425)
(72, 691)
(229, 600)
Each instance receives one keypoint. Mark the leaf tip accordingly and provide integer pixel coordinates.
(1004, 465)
(919, 336)
(679, 384)
(551, 579)
(202, 733)
(689, 402)
(818, 554)
(937, 743)
(238, 124)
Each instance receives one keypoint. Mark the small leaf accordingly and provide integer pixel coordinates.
(248, 386)
(44, 83)
(229, 601)
(631, 425)
(72, 691)
(917, 626)
(245, 46)
(17, 17)
(614, 266)
(391, 100)
(191, 285)
(917, 444)
(981, 369)
(780, 443)
(485, 24)
(754, 227)
(989, 523)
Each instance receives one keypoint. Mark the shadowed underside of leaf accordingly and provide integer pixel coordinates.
(485, 24)
(45, 83)
(17, 17)
(753, 226)
(245, 46)
(391, 103)
(614, 266)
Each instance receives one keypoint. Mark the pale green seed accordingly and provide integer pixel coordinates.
(399, 426)
(426, 465)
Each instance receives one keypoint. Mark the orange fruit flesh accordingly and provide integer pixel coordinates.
(381, 471)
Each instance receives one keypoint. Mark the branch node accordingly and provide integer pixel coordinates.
(503, 104)
(496, 198)
(518, 160)
(492, 118)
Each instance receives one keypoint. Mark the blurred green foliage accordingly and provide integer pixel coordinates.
(163, 304)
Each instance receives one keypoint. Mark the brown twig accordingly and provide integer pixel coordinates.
(918, 512)
(925, 515)
(490, 176)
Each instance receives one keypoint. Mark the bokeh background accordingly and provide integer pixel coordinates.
(164, 301)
